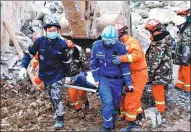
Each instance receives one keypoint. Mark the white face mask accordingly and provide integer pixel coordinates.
(52, 35)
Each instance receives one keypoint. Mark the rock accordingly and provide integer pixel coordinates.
(165, 16)
(143, 13)
(143, 39)
(154, 4)
(164, 120)
(154, 115)
(11, 62)
(33, 105)
(24, 41)
(44, 11)
(173, 31)
(136, 18)
(5, 110)
(37, 26)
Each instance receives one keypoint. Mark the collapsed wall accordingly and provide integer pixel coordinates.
(17, 14)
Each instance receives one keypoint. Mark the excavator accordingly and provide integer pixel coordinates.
(84, 21)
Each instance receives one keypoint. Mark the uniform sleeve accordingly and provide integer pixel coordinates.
(30, 53)
(125, 68)
(134, 53)
(94, 64)
(85, 62)
(65, 56)
(156, 58)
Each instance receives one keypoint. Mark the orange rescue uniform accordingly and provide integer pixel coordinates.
(130, 105)
(77, 97)
(184, 79)
(37, 80)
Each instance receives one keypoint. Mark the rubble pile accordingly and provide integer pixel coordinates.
(142, 11)
(24, 107)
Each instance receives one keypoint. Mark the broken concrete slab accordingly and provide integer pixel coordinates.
(154, 115)
(165, 16)
(154, 4)
(136, 18)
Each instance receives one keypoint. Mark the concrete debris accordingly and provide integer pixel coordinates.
(18, 100)
(144, 13)
(24, 41)
(37, 26)
(154, 115)
(154, 4)
(44, 11)
(136, 18)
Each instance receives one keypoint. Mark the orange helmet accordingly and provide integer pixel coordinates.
(121, 29)
(183, 11)
(36, 35)
(153, 25)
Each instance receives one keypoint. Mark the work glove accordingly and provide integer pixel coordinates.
(23, 73)
(70, 44)
(129, 89)
(116, 60)
(97, 86)
(68, 80)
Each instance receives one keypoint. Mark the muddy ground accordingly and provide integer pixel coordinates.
(25, 108)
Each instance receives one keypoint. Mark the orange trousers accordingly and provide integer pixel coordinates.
(38, 82)
(35, 61)
(77, 97)
(184, 81)
(158, 94)
(130, 105)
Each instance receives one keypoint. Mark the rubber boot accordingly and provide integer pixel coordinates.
(87, 105)
(121, 118)
(59, 123)
(77, 110)
(129, 128)
(139, 116)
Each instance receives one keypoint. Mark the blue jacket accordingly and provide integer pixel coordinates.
(81, 80)
(51, 54)
(101, 62)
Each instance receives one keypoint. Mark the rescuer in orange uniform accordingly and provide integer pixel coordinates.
(183, 53)
(37, 80)
(79, 63)
(130, 105)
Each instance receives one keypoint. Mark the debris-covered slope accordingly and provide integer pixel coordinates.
(25, 108)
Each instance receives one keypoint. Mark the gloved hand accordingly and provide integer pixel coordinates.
(117, 60)
(68, 80)
(70, 44)
(97, 84)
(23, 73)
(129, 89)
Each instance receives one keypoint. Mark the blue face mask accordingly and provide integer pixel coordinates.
(52, 35)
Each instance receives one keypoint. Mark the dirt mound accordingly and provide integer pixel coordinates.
(24, 107)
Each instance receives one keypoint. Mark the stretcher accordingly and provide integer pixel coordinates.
(81, 88)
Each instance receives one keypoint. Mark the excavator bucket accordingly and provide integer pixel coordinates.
(86, 19)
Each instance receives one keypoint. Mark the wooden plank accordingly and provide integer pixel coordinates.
(18, 49)
(15, 42)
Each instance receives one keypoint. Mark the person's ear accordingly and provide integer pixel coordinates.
(58, 30)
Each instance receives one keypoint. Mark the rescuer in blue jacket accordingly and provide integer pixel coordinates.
(52, 53)
(108, 76)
